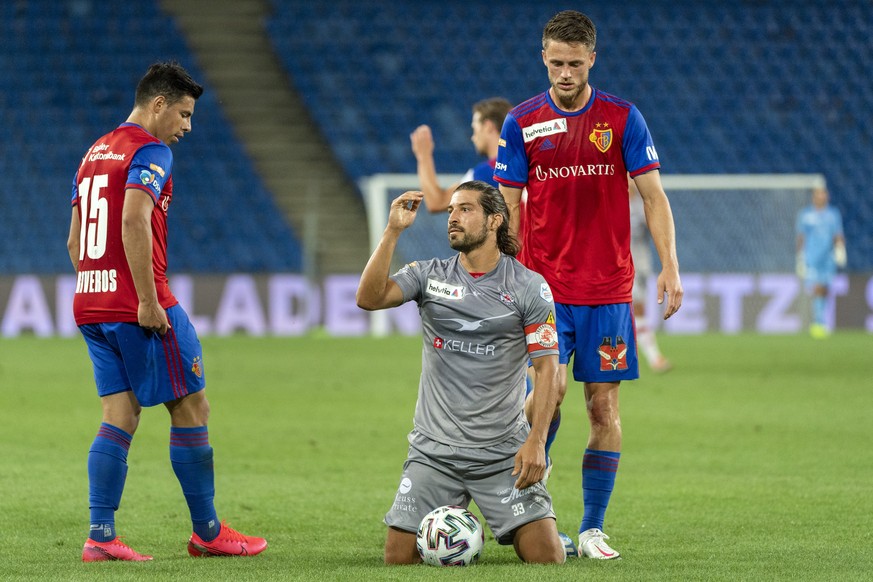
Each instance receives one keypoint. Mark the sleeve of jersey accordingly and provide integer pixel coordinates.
(75, 198)
(511, 167)
(638, 149)
(150, 168)
(484, 172)
(409, 278)
(539, 320)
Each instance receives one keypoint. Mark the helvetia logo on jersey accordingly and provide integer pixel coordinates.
(551, 127)
(601, 137)
(612, 356)
(444, 290)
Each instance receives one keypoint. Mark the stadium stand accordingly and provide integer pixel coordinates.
(67, 74)
(769, 86)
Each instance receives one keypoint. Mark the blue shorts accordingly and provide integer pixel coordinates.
(157, 368)
(603, 339)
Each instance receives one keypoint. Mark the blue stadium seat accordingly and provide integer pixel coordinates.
(724, 87)
(67, 73)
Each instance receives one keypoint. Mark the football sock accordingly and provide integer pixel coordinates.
(598, 480)
(553, 432)
(107, 470)
(191, 457)
(818, 309)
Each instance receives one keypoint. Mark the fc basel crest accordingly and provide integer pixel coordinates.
(602, 138)
(612, 357)
(197, 368)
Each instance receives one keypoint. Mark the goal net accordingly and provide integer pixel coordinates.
(725, 223)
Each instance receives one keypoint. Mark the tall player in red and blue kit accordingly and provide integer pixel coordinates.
(572, 148)
(143, 348)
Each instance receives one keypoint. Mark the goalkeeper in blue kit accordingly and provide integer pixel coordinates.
(821, 249)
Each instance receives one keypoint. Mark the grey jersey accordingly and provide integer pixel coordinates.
(477, 334)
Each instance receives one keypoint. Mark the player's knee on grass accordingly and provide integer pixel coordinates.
(400, 547)
(538, 543)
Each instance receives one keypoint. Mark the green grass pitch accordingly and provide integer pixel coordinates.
(752, 460)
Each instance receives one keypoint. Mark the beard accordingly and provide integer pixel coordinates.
(567, 99)
(469, 242)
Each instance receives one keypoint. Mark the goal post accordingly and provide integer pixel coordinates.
(725, 223)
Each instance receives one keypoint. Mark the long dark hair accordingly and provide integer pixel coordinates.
(492, 202)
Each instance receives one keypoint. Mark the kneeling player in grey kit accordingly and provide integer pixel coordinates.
(483, 314)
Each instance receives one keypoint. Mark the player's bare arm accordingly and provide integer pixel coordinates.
(530, 461)
(436, 199)
(376, 290)
(136, 234)
(659, 218)
(513, 201)
(73, 240)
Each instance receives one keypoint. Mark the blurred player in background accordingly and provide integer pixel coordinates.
(821, 248)
(572, 148)
(483, 314)
(143, 347)
(641, 252)
(488, 116)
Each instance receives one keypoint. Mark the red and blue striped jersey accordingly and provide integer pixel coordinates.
(128, 157)
(577, 217)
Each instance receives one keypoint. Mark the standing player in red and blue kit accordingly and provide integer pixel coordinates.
(143, 347)
(572, 148)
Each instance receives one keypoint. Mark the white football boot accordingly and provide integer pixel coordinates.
(592, 544)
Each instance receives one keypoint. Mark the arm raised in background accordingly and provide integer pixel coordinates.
(376, 290)
(436, 199)
(659, 218)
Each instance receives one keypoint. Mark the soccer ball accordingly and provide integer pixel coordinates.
(450, 536)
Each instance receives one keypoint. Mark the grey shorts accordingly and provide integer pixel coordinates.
(435, 474)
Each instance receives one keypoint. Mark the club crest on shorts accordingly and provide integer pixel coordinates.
(612, 356)
(197, 367)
